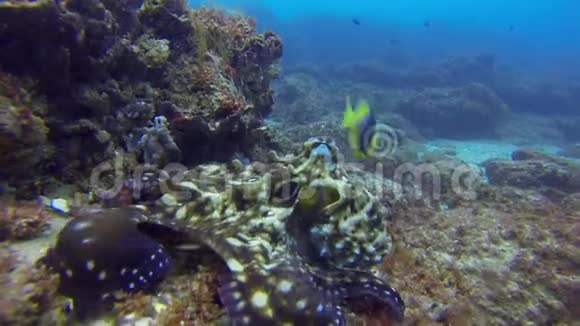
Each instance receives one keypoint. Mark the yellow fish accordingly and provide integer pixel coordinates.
(361, 125)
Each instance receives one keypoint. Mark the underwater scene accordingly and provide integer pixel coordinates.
(392, 162)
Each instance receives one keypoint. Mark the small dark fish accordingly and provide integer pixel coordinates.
(427, 23)
(512, 27)
(394, 41)
(356, 21)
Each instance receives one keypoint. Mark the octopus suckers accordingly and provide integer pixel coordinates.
(234, 265)
(301, 304)
(320, 307)
(259, 299)
(234, 242)
(102, 275)
(131, 285)
(81, 225)
(123, 271)
(90, 265)
(284, 286)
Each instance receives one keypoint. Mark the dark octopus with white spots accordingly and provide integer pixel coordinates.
(299, 255)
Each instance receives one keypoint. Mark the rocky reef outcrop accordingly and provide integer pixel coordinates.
(452, 110)
(468, 111)
(136, 76)
(508, 257)
(440, 92)
(549, 175)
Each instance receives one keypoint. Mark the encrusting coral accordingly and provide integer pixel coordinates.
(207, 72)
(29, 294)
(22, 220)
(25, 150)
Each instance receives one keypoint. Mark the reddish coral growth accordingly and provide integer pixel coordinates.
(21, 220)
(230, 102)
(28, 294)
(196, 302)
(139, 303)
(224, 32)
(16, 89)
(508, 258)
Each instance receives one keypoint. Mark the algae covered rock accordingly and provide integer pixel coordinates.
(468, 111)
(106, 70)
(25, 151)
(549, 175)
(154, 52)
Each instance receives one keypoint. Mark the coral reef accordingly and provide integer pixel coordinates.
(536, 96)
(469, 111)
(387, 87)
(28, 293)
(525, 129)
(308, 106)
(551, 176)
(106, 71)
(25, 151)
(196, 301)
(568, 126)
(452, 72)
(506, 258)
(572, 151)
(22, 220)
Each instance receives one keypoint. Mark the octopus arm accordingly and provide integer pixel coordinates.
(282, 293)
(363, 292)
(262, 285)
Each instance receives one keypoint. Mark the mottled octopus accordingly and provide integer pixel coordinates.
(298, 237)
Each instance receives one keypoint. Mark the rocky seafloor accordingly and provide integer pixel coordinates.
(260, 219)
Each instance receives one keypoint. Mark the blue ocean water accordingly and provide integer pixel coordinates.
(536, 36)
(374, 161)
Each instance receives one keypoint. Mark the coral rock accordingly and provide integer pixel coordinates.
(549, 175)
